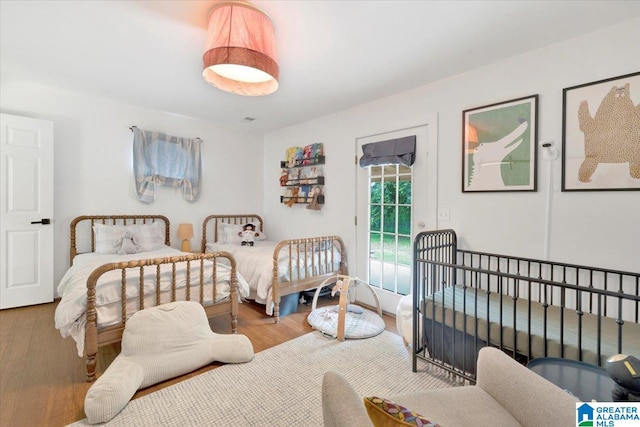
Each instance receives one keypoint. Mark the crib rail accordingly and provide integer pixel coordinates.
(464, 300)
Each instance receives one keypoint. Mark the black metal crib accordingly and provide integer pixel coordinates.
(464, 300)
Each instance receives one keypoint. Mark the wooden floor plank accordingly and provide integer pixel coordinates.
(15, 353)
(42, 379)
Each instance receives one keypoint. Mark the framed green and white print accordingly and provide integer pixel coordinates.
(499, 146)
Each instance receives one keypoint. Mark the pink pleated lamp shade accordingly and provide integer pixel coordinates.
(240, 56)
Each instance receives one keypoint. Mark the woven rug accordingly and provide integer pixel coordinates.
(282, 385)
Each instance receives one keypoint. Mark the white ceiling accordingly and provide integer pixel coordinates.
(332, 54)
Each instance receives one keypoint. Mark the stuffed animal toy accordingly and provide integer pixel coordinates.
(284, 177)
(248, 235)
(293, 198)
(126, 244)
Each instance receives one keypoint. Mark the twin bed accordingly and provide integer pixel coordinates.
(464, 300)
(102, 288)
(274, 269)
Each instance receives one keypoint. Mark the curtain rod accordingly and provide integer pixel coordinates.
(135, 127)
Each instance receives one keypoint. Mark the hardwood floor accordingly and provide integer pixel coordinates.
(42, 378)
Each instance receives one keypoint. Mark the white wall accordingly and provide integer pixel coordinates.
(93, 160)
(93, 174)
(595, 228)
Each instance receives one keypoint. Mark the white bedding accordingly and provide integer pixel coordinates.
(255, 264)
(70, 316)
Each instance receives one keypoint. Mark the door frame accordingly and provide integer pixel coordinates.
(390, 300)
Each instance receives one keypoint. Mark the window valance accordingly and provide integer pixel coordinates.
(399, 151)
(161, 159)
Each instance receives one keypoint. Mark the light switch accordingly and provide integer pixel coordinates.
(443, 214)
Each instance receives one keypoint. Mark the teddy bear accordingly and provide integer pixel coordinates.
(292, 198)
(248, 235)
(126, 244)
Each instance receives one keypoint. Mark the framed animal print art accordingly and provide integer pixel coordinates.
(499, 146)
(601, 135)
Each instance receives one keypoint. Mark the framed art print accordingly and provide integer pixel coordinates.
(499, 146)
(601, 135)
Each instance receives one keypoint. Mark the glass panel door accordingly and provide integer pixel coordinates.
(390, 195)
(392, 205)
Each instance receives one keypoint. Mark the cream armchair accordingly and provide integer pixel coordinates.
(506, 394)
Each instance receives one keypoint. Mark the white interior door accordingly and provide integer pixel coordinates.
(394, 203)
(26, 210)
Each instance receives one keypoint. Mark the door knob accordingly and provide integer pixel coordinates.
(43, 221)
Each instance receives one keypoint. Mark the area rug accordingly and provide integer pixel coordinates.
(282, 385)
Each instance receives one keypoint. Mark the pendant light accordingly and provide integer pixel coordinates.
(240, 56)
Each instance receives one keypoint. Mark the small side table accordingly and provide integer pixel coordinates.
(585, 381)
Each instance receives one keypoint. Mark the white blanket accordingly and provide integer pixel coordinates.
(70, 316)
(255, 264)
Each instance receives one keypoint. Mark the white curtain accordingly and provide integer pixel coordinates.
(160, 159)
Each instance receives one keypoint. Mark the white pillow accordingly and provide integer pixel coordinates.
(230, 234)
(148, 237)
(320, 246)
(105, 237)
(220, 232)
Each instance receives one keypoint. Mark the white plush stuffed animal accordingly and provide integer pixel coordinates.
(126, 244)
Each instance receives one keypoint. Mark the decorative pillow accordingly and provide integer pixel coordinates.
(148, 237)
(385, 413)
(106, 236)
(230, 233)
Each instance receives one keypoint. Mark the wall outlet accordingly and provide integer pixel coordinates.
(444, 214)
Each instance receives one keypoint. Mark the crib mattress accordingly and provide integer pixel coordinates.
(479, 314)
